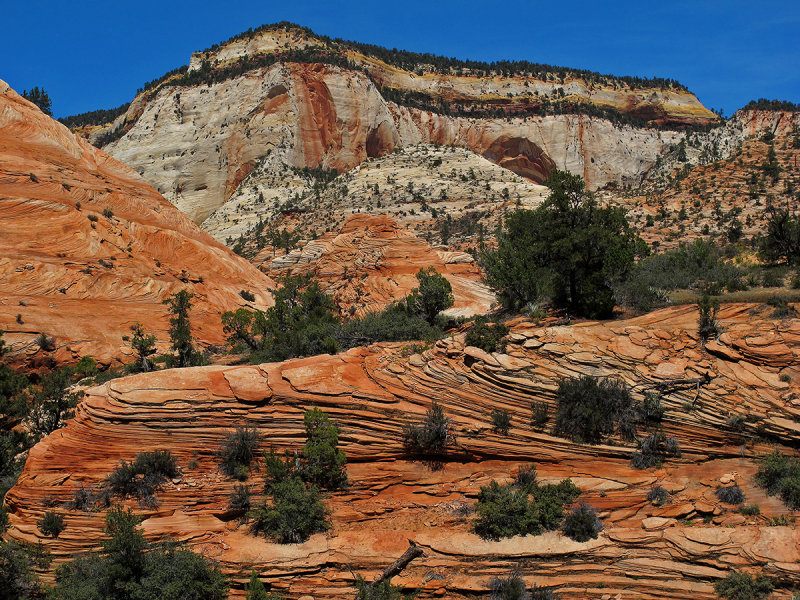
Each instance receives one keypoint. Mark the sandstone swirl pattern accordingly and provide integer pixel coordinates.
(645, 552)
(87, 247)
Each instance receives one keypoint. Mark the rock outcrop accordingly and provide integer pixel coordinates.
(645, 552)
(195, 136)
(420, 187)
(707, 193)
(87, 247)
(372, 262)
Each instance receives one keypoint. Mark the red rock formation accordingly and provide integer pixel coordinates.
(372, 262)
(324, 115)
(645, 552)
(87, 248)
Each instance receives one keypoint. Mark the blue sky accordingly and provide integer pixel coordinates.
(91, 55)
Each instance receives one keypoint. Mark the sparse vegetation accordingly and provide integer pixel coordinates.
(501, 421)
(731, 494)
(522, 507)
(484, 336)
(128, 567)
(432, 436)
(743, 586)
(141, 477)
(658, 496)
(238, 451)
(582, 524)
(750, 510)
(654, 449)
(51, 524)
(590, 410)
(779, 475)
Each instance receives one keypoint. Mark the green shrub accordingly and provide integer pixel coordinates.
(750, 510)
(582, 524)
(658, 495)
(484, 336)
(780, 475)
(707, 326)
(522, 507)
(323, 464)
(142, 477)
(590, 410)
(782, 309)
(651, 408)
(239, 500)
(501, 421)
(383, 591)
(51, 524)
(690, 266)
(433, 295)
(302, 322)
(393, 324)
(432, 435)
(255, 589)
(539, 415)
(540, 593)
(654, 449)
(731, 494)
(108, 213)
(293, 515)
(569, 249)
(249, 296)
(45, 342)
(130, 568)
(18, 564)
(742, 586)
(510, 587)
(81, 499)
(86, 367)
(238, 451)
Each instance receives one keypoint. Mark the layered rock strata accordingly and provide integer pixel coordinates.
(87, 248)
(647, 552)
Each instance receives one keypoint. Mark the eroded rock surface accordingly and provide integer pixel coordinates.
(87, 247)
(647, 552)
(372, 262)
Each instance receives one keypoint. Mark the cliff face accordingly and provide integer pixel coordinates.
(674, 551)
(87, 247)
(196, 142)
(373, 262)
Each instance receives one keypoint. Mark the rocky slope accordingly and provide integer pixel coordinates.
(647, 552)
(87, 247)
(421, 187)
(715, 194)
(372, 262)
(196, 135)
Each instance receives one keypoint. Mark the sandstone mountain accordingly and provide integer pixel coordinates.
(196, 133)
(87, 247)
(373, 262)
(645, 551)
